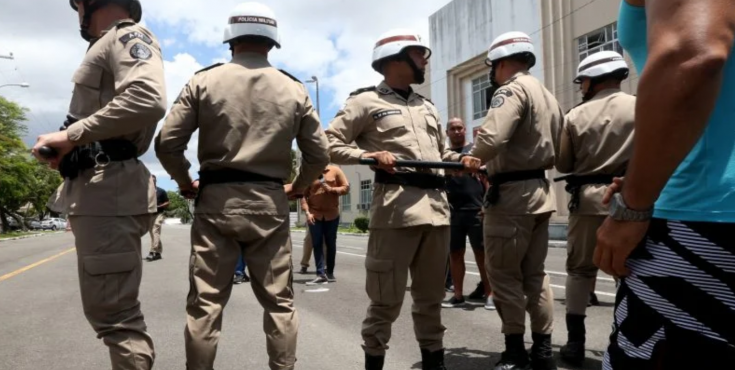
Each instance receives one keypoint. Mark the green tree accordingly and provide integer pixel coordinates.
(16, 168)
(178, 207)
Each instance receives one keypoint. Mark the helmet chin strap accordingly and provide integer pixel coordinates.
(418, 75)
(493, 70)
(89, 9)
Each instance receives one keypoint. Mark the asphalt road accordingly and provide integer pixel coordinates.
(42, 325)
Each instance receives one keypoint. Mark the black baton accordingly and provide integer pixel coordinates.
(47, 152)
(417, 164)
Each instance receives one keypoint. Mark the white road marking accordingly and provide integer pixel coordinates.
(477, 274)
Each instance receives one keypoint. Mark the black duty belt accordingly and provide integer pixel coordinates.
(229, 175)
(493, 194)
(575, 183)
(99, 153)
(415, 179)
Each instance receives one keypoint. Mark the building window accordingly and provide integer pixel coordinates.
(605, 38)
(480, 95)
(346, 202)
(366, 191)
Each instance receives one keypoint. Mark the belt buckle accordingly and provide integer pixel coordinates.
(97, 159)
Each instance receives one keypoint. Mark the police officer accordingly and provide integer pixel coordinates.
(409, 218)
(518, 141)
(596, 145)
(119, 97)
(247, 113)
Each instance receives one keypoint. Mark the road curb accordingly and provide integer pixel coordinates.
(552, 243)
(31, 236)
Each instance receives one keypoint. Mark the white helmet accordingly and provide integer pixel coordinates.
(510, 43)
(394, 42)
(600, 64)
(252, 19)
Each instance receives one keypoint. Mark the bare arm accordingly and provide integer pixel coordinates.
(344, 186)
(689, 43)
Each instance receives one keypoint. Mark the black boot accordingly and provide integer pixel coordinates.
(542, 358)
(515, 356)
(432, 360)
(374, 362)
(573, 351)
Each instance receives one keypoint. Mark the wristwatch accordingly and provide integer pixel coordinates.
(620, 212)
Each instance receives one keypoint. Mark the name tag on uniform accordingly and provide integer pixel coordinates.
(135, 35)
(385, 113)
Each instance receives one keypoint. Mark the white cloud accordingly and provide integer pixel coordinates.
(331, 39)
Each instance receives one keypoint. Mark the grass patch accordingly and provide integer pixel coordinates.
(15, 234)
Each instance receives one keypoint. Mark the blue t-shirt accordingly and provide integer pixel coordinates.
(703, 186)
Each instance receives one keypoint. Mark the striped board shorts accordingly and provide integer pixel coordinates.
(676, 309)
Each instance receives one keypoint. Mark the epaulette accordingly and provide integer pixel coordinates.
(363, 90)
(290, 75)
(208, 68)
(570, 109)
(425, 98)
(125, 23)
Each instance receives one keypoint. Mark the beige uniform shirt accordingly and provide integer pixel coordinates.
(378, 119)
(598, 140)
(119, 93)
(521, 132)
(248, 114)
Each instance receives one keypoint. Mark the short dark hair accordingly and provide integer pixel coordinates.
(253, 39)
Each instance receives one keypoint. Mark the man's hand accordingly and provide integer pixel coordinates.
(291, 193)
(56, 140)
(615, 241)
(386, 160)
(615, 187)
(310, 218)
(189, 191)
(471, 164)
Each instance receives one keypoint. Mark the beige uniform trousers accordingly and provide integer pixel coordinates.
(581, 270)
(266, 245)
(392, 253)
(309, 249)
(156, 224)
(515, 252)
(110, 270)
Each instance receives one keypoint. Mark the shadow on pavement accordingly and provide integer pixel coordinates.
(563, 302)
(467, 359)
(472, 359)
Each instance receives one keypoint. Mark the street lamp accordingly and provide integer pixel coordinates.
(315, 80)
(24, 84)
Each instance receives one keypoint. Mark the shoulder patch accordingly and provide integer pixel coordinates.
(497, 102)
(290, 75)
(363, 90)
(208, 68)
(135, 35)
(425, 98)
(141, 52)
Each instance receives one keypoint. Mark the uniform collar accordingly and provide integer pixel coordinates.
(384, 89)
(251, 59)
(605, 93)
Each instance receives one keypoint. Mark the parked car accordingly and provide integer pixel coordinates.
(35, 225)
(53, 224)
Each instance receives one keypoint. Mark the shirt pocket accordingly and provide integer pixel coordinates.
(87, 89)
(392, 129)
(432, 129)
